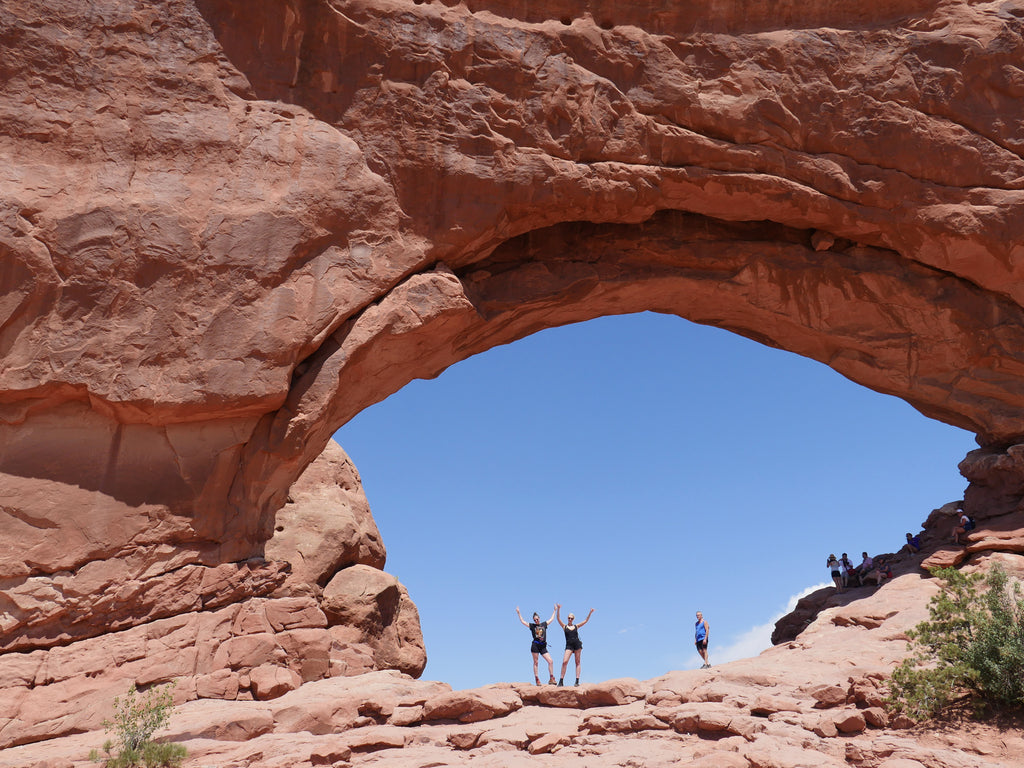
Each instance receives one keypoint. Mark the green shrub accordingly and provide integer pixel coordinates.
(971, 647)
(136, 718)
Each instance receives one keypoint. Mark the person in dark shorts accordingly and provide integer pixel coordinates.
(835, 570)
(701, 632)
(913, 545)
(539, 644)
(966, 524)
(573, 644)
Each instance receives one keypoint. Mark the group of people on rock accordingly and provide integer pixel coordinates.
(965, 524)
(845, 574)
(539, 642)
(574, 646)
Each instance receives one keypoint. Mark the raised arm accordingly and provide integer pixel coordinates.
(558, 615)
(553, 614)
(523, 621)
(580, 624)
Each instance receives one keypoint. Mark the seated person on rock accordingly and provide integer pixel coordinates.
(966, 524)
(879, 572)
(865, 567)
(913, 545)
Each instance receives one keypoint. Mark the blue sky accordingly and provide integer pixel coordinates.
(647, 467)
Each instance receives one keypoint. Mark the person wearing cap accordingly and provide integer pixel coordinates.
(966, 524)
(573, 644)
(835, 570)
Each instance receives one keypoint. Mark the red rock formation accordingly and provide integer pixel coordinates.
(254, 630)
(227, 227)
(817, 701)
(325, 526)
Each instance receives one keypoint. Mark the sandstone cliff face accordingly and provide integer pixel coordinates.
(226, 229)
(320, 607)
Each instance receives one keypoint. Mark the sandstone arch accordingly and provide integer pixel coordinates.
(224, 232)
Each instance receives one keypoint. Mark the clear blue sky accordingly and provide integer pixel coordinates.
(646, 467)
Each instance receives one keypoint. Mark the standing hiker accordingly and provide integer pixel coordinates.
(539, 643)
(701, 630)
(573, 644)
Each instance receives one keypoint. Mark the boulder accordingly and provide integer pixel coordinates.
(876, 717)
(826, 696)
(377, 611)
(628, 718)
(765, 704)
(473, 705)
(211, 719)
(850, 722)
(330, 754)
(326, 524)
(269, 681)
(376, 737)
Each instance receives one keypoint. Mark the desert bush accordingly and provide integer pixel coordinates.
(972, 646)
(136, 718)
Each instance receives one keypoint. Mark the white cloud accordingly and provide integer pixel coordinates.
(758, 638)
(626, 630)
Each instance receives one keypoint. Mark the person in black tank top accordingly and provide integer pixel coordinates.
(573, 645)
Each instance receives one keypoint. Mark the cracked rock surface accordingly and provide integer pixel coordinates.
(226, 228)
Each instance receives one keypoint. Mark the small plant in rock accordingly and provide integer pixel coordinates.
(136, 718)
(972, 647)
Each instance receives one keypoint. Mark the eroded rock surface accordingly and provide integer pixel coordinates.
(817, 701)
(227, 227)
(250, 631)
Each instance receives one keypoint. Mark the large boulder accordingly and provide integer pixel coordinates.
(368, 606)
(326, 524)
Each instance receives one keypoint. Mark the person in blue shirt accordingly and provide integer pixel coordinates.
(701, 631)
(913, 545)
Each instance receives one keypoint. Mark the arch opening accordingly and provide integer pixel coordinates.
(881, 320)
(647, 467)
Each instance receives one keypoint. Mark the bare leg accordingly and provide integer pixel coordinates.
(535, 678)
(703, 651)
(551, 668)
(578, 654)
(565, 663)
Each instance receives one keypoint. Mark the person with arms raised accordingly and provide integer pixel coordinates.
(539, 643)
(573, 644)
